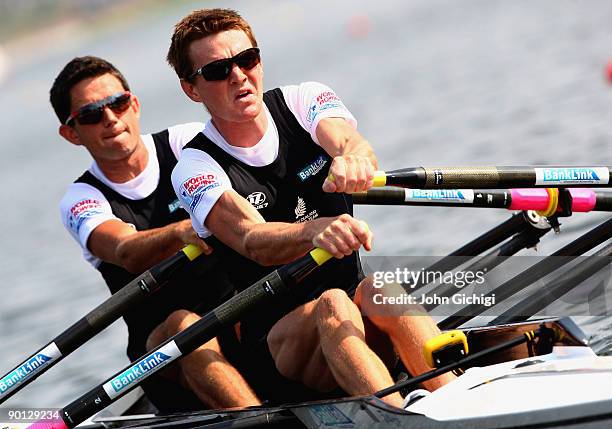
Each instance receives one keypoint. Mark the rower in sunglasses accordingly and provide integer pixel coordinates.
(92, 113)
(268, 177)
(124, 214)
(220, 69)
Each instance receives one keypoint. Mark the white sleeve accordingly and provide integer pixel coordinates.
(312, 101)
(82, 209)
(199, 182)
(180, 135)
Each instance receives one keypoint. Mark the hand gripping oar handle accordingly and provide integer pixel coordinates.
(545, 201)
(277, 282)
(94, 322)
(491, 177)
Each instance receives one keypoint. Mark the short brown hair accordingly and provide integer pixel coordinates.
(197, 25)
(78, 69)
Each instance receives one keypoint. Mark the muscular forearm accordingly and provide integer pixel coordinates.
(140, 251)
(276, 243)
(355, 145)
(338, 138)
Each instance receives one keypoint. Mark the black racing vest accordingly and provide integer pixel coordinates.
(196, 288)
(287, 190)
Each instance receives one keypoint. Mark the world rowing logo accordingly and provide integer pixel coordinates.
(257, 200)
(324, 101)
(82, 211)
(193, 189)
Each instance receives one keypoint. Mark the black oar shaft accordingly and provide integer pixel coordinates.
(544, 200)
(529, 237)
(275, 283)
(588, 241)
(481, 244)
(492, 177)
(500, 199)
(94, 322)
(556, 288)
(603, 201)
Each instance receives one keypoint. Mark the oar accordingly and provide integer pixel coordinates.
(544, 200)
(556, 288)
(278, 282)
(491, 177)
(528, 237)
(95, 321)
(584, 243)
(517, 223)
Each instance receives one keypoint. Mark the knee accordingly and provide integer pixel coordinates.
(180, 320)
(176, 322)
(333, 308)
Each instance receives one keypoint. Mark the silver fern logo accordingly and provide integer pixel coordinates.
(300, 209)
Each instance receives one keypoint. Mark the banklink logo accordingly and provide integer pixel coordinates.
(570, 174)
(21, 373)
(313, 168)
(139, 370)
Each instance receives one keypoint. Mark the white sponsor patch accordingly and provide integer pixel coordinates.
(29, 368)
(572, 176)
(141, 369)
(465, 196)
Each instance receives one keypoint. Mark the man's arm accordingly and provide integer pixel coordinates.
(119, 243)
(235, 222)
(354, 162)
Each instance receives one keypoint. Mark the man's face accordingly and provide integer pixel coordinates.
(239, 97)
(117, 134)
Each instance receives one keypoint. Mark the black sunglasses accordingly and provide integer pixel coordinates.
(92, 113)
(221, 69)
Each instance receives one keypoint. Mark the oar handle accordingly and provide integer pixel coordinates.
(380, 179)
(192, 251)
(496, 177)
(320, 256)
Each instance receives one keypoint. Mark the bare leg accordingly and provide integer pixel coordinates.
(408, 327)
(205, 371)
(323, 343)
